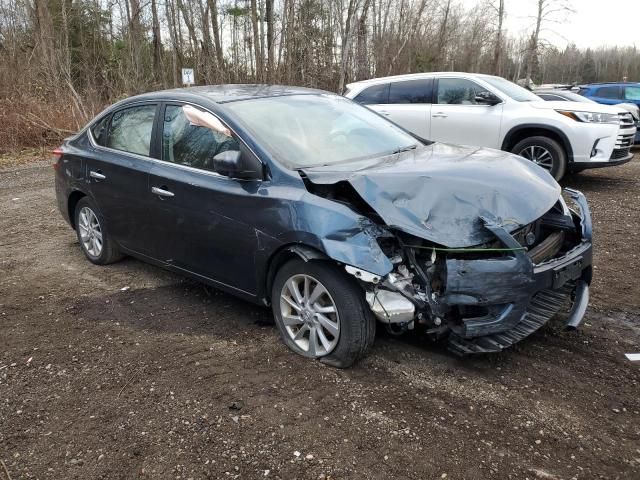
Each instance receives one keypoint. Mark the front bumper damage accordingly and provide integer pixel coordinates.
(488, 304)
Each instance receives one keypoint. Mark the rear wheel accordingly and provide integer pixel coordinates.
(321, 313)
(544, 152)
(93, 234)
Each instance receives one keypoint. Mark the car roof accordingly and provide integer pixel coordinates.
(620, 84)
(227, 93)
(411, 76)
(555, 91)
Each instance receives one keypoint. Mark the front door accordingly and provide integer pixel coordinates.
(202, 219)
(608, 95)
(457, 118)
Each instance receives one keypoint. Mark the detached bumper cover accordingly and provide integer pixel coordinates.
(519, 296)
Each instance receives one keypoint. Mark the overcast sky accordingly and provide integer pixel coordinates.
(594, 23)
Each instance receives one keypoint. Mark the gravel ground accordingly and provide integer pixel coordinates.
(129, 371)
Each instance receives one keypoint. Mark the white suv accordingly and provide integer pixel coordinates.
(488, 111)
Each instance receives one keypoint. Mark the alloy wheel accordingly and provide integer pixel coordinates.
(538, 155)
(90, 232)
(309, 315)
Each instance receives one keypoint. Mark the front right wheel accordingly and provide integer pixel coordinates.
(321, 312)
(545, 152)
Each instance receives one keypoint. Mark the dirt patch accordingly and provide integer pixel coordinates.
(128, 371)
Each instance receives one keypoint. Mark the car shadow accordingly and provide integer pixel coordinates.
(192, 308)
(188, 308)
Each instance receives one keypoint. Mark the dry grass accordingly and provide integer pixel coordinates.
(27, 122)
(23, 156)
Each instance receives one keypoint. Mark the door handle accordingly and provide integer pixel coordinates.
(97, 175)
(162, 192)
(383, 112)
(439, 115)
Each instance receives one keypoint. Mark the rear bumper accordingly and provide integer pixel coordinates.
(519, 296)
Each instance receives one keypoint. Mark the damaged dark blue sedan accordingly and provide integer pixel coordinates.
(335, 217)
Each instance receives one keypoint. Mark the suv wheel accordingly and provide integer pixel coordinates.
(545, 152)
(321, 313)
(93, 235)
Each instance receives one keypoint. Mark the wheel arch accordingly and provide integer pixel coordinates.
(520, 132)
(74, 197)
(285, 254)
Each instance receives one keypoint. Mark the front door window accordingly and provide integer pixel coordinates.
(191, 145)
(458, 91)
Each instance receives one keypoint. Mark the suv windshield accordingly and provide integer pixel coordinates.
(512, 90)
(313, 130)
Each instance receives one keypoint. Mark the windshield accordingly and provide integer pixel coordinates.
(576, 98)
(313, 130)
(512, 90)
(564, 95)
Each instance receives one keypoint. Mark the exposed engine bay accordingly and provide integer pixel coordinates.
(485, 296)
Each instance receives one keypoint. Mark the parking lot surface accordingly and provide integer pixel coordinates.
(129, 371)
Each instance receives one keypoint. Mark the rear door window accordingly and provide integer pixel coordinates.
(632, 93)
(609, 92)
(458, 91)
(374, 95)
(411, 91)
(99, 130)
(131, 128)
(191, 145)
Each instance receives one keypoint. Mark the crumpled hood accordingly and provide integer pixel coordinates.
(440, 192)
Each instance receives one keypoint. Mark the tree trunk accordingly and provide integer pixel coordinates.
(497, 52)
(176, 51)
(346, 45)
(157, 44)
(532, 54)
(256, 42)
(362, 60)
(270, 66)
(213, 8)
(442, 36)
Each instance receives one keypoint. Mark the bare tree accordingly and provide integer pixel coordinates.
(157, 44)
(270, 46)
(498, 7)
(547, 11)
(345, 46)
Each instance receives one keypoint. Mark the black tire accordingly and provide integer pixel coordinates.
(109, 252)
(356, 322)
(559, 158)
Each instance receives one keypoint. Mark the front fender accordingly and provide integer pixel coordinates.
(329, 227)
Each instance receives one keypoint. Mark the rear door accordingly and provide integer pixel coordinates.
(457, 118)
(608, 95)
(409, 105)
(202, 220)
(117, 169)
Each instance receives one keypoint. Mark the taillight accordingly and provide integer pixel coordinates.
(57, 155)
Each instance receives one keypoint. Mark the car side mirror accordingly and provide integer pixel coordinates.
(233, 164)
(487, 98)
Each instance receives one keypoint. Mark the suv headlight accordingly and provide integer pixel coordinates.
(591, 117)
